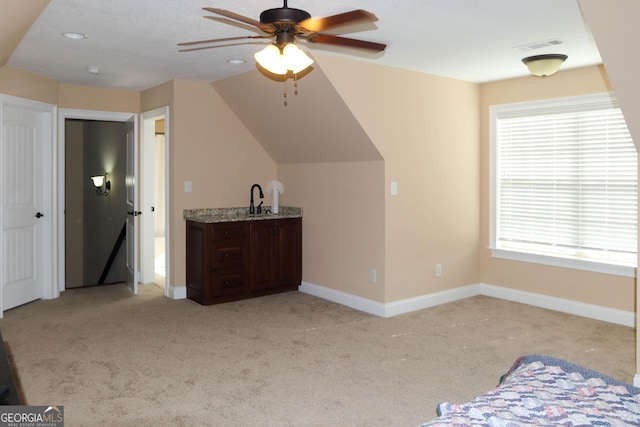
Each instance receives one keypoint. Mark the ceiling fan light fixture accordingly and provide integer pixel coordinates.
(292, 58)
(295, 59)
(270, 59)
(544, 65)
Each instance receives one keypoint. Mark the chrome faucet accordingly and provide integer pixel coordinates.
(252, 208)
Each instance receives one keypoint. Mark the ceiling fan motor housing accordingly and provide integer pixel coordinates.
(283, 15)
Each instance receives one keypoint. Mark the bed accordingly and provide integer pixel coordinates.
(545, 391)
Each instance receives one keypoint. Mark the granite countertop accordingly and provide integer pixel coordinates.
(238, 214)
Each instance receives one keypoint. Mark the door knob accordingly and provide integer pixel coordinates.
(39, 215)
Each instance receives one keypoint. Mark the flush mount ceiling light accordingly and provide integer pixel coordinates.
(74, 36)
(544, 65)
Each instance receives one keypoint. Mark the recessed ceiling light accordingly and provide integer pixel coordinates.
(74, 36)
(236, 61)
(92, 69)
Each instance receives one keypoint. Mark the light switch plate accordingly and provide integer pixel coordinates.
(187, 186)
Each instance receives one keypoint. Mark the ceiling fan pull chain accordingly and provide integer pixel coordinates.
(295, 84)
(285, 90)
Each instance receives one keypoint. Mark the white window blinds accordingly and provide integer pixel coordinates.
(566, 182)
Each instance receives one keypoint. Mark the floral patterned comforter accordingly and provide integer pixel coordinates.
(545, 391)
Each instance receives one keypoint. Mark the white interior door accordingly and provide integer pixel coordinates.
(132, 207)
(23, 212)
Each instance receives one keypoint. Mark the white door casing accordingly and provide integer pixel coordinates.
(27, 212)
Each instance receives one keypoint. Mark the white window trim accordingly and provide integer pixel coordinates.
(555, 261)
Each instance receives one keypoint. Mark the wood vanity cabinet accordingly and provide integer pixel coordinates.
(228, 261)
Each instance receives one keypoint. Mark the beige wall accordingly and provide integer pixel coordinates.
(16, 82)
(592, 288)
(210, 147)
(426, 129)
(31, 86)
(98, 99)
(343, 224)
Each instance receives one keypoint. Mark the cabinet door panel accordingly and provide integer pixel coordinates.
(276, 249)
(262, 256)
(288, 254)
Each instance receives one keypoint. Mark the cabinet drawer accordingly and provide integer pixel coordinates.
(228, 254)
(230, 281)
(229, 230)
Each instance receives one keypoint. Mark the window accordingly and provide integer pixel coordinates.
(564, 184)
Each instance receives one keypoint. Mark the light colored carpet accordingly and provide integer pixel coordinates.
(283, 360)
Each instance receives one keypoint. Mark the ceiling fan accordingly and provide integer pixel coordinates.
(285, 24)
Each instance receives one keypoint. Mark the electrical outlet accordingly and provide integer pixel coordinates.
(438, 270)
(372, 275)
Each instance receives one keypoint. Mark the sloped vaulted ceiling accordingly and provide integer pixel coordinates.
(15, 21)
(316, 126)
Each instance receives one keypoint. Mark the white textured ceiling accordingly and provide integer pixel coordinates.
(133, 42)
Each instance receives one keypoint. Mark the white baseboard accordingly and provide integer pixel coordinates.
(430, 300)
(390, 309)
(350, 300)
(395, 308)
(177, 292)
(636, 380)
(591, 311)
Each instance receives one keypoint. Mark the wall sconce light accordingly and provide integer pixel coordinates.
(544, 65)
(102, 184)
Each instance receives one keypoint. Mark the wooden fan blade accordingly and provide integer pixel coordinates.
(215, 46)
(345, 41)
(241, 18)
(225, 39)
(315, 25)
(237, 24)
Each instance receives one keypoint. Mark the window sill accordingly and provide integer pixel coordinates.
(576, 264)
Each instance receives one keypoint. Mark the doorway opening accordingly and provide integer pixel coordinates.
(154, 176)
(95, 217)
(127, 181)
